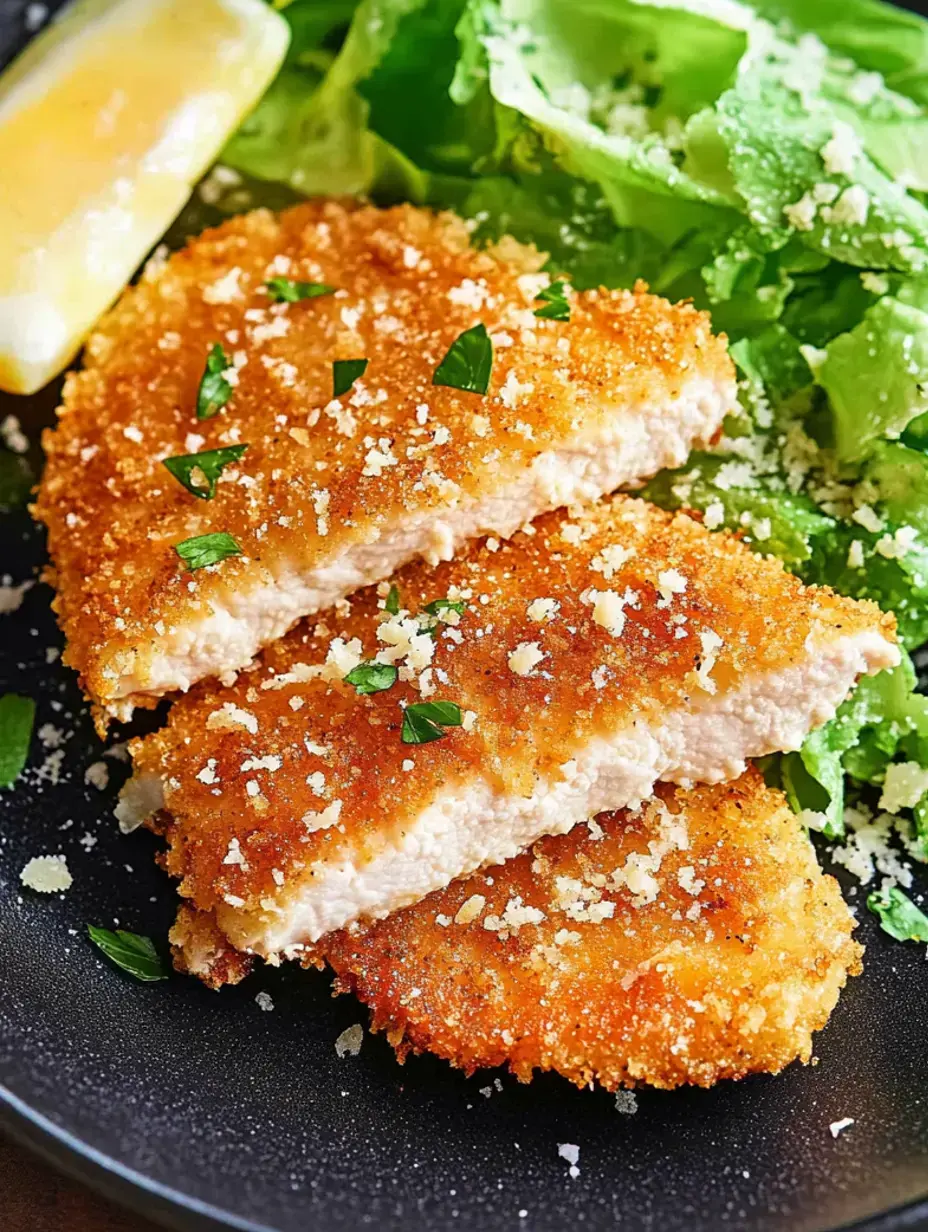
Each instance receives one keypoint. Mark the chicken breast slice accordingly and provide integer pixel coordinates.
(584, 660)
(334, 493)
(689, 940)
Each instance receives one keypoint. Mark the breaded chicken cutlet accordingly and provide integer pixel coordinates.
(550, 677)
(691, 940)
(377, 389)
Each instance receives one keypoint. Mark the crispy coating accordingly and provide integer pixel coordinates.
(723, 967)
(321, 476)
(289, 772)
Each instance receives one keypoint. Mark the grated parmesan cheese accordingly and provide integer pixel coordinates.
(46, 874)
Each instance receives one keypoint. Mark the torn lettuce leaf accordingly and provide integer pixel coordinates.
(310, 130)
(861, 739)
(876, 377)
(772, 521)
(777, 126)
(898, 915)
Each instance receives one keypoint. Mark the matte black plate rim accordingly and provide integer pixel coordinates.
(132, 1189)
(106, 1175)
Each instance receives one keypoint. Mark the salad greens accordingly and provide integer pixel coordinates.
(768, 159)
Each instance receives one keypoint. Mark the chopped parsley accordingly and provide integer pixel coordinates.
(289, 291)
(133, 953)
(424, 722)
(205, 550)
(445, 605)
(898, 915)
(344, 374)
(468, 362)
(392, 601)
(210, 464)
(215, 391)
(17, 715)
(372, 677)
(555, 304)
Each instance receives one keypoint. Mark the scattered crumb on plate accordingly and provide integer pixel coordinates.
(46, 874)
(349, 1042)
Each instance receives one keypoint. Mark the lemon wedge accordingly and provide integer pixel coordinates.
(106, 121)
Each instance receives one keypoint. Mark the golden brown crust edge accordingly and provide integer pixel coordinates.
(687, 1010)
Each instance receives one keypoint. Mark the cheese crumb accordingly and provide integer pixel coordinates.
(229, 715)
(841, 152)
(869, 519)
(264, 1001)
(471, 909)
(570, 1152)
(670, 582)
(46, 874)
(801, 214)
(225, 289)
(851, 208)
(97, 775)
(349, 1042)
(711, 644)
(838, 1127)
(378, 459)
(608, 610)
(541, 610)
(626, 1102)
(610, 560)
(714, 515)
(324, 820)
(905, 784)
(525, 657)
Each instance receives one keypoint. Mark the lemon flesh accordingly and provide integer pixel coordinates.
(106, 121)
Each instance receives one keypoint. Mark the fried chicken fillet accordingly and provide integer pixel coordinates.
(336, 492)
(579, 664)
(690, 940)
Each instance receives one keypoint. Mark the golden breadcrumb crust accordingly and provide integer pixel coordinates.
(289, 769)
(738, 959)
(319, 475)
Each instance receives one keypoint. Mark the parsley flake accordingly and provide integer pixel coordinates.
(210, 463)
(372, 677)
(468, 362)
(424, 722)
(344, 374)
(555, 303)
(215, 391)
(898, 915)
(445, 605)
(17, 715)
(289, 291)
(205, 550)
(392, 601)
(133, 953)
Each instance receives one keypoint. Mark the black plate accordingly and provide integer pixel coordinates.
(204, 1111)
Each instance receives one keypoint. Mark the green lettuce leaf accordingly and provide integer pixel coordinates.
(877, 37)
(610, 88)
(775, 123)
(876, 377)
(310, 129)
(878, 715)
(782, 523)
